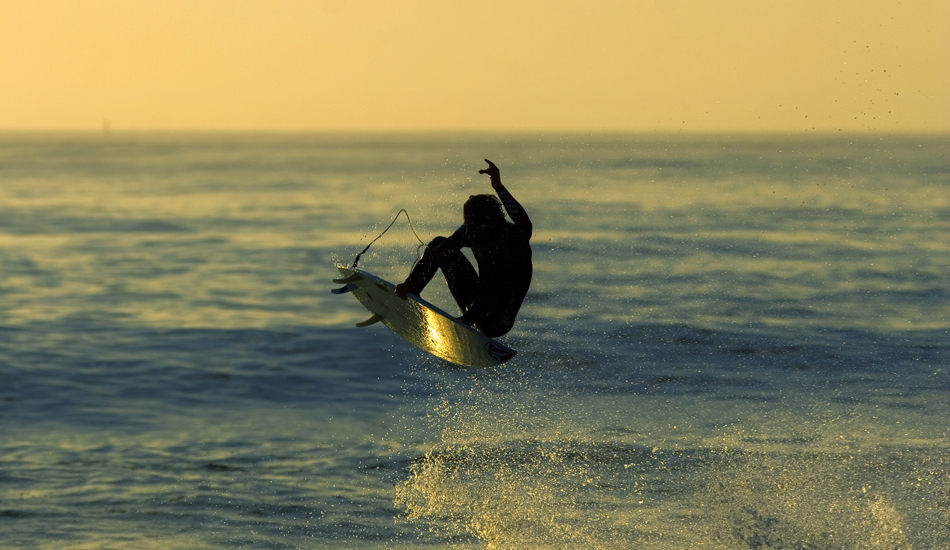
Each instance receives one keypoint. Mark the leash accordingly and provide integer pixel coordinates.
(401, 211)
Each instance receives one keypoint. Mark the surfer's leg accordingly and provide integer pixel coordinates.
(457, 270)
(426, 267)
(460, 276)
(500, 315)
(462, 280)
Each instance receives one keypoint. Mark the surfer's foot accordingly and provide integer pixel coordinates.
(406, 288)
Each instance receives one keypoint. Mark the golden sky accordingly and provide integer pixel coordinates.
(624, 65)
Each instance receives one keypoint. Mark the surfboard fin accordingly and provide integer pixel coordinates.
(346, 280)
(371, 321)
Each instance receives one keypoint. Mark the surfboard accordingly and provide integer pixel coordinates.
(421, 323)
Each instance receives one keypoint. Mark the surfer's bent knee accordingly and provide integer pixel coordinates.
(434, 243)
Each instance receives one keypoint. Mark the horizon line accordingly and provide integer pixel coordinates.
(353, 131)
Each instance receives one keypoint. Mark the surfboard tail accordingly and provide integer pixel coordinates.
(499, 352)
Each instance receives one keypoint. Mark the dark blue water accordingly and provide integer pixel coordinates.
(730, 342)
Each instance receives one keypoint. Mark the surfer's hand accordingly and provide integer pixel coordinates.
(492, 170)
(404, 289)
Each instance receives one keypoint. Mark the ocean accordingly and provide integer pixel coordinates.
(730, 342)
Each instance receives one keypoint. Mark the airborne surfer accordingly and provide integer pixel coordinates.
(491, 297)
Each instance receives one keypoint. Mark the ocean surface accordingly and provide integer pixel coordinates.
(730, 342)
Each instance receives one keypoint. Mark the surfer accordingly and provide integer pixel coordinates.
(491, 297)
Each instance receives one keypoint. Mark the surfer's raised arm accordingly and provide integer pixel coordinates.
(513, 208)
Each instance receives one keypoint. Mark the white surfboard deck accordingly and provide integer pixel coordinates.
(421, 323)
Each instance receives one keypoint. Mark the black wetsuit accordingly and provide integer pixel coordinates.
(490, 298)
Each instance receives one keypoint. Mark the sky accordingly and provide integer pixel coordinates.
(507, 65)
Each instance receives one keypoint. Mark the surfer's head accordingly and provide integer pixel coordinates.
(483, 210)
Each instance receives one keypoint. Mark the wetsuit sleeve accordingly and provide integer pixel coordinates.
(514, 209)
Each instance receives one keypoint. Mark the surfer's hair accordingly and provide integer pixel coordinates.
(483, 207)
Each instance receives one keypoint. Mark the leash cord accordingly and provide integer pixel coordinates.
(401, 211)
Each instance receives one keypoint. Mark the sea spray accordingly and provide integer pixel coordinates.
(525, 470)
(505, 471)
